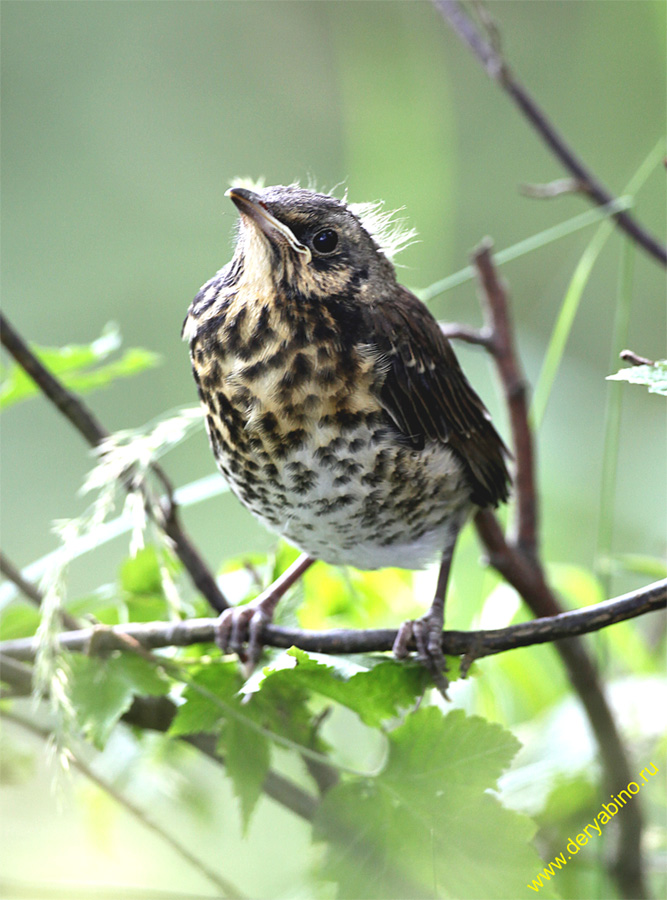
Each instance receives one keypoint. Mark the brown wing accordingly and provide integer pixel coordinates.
(428, 397)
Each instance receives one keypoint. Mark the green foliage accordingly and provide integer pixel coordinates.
(197, 713)
(247, 763)
(101, 690)
(420, 803)
(142, 584)
(18, 619)
(383, 830)
(653, 377)
(214, 704)
(425, 825)
(427, 817)
(376, 692)
(81, 367)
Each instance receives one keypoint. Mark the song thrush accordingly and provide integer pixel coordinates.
(335, 407)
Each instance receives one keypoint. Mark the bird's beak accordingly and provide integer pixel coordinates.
(251, 206)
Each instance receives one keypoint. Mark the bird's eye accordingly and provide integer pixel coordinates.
(325, 241)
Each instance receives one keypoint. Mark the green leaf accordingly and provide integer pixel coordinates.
(142, 580)
(376, 694)
(281, 707)
(19, 619)
(140, 574)
(142, 587)
(247, 758)
(198, 713)
(79, 367)
(426, 826)
(653, 377)
(142, 675)
(101, 690)
(247, 752)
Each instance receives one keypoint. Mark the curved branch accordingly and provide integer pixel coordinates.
(501, 345)
(165, 513)
(29, 590)
(497, 69)
(475, 644)
(517, 561)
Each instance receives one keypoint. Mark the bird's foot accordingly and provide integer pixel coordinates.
(426, 633)
(239, 630)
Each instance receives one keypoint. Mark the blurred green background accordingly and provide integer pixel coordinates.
(123, 124)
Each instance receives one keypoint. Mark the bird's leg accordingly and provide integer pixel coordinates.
(427, 631)
(239, 629)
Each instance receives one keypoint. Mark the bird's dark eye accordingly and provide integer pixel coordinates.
(325, 241)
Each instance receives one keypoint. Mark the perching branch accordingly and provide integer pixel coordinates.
(497, 69)
(164, 513)
(153, 635)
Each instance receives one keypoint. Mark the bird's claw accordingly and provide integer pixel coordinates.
(239, 630)
(426, 633)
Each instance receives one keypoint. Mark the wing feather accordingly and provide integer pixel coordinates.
(425, 393)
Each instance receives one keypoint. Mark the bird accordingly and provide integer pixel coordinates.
(335, 407)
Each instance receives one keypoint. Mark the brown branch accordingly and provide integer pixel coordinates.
(16, 675)
(501, 345)
(634, 359)
(33, 594)
(517, 560)
(498, 71)
(455, 332)
(164, 513)
(521, 575)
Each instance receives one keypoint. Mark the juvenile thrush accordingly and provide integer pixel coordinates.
(335, 407)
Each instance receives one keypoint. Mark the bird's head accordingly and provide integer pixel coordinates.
(312, 243)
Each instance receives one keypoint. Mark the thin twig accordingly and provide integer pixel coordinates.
(498, 70)
(33, 594)
(501, 345)
(635, 359)
(165, 514)
(455, 332)
(153, 635)
(18, 677)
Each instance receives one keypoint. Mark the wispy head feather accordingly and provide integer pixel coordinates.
(251, 184)
(391, 234)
